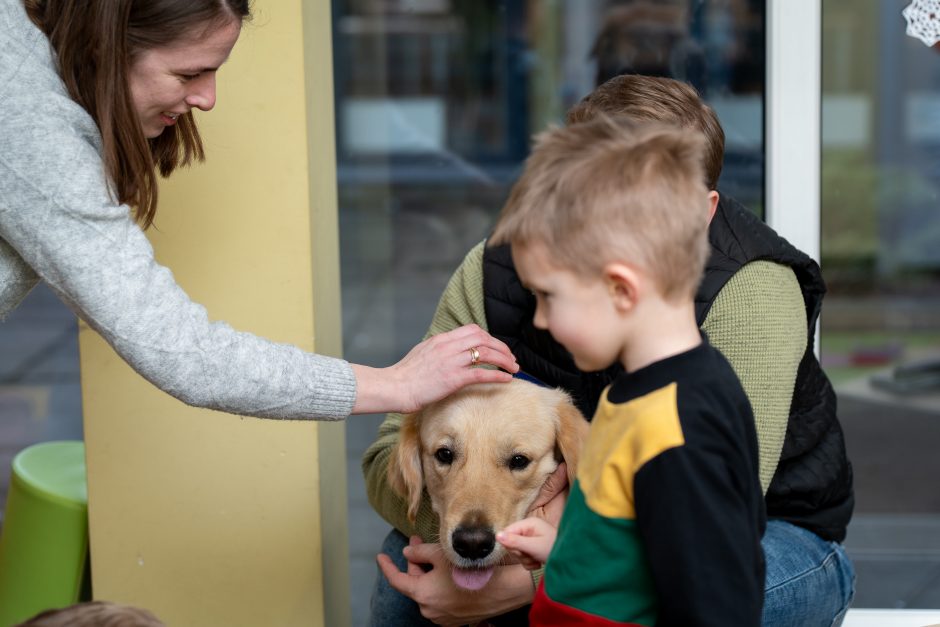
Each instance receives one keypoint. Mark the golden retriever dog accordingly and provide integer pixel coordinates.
(483, 454)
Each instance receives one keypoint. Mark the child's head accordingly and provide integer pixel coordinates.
(95, 614)
(656, 99)
(614, 190)
(607, 207)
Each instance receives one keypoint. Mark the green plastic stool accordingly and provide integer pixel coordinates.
(44, 541)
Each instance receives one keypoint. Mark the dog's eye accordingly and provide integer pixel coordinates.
(518, 462)
(444, 455)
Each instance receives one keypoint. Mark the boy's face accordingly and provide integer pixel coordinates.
(579, 312)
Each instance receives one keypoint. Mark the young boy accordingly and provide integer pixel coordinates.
(663, 524)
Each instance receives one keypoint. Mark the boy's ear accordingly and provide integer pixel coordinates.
(624, 283)
(712, 204)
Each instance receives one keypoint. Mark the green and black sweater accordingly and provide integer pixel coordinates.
(664, 521)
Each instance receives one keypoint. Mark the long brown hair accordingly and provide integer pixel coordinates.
(96, 42)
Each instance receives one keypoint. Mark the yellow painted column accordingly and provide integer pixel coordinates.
(203, 517)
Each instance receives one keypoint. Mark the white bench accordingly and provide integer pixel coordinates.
(860, 617)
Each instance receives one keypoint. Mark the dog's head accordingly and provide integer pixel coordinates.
(483, 455)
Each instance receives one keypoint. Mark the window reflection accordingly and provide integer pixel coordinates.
(881, 258)
(436, 102)
(40, 395)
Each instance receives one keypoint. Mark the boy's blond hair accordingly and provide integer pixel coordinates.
(95, 614)
(614, 190)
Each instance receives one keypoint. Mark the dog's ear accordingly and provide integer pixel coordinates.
(404, 465)
(572, 429)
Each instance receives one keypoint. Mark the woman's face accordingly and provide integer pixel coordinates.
(171, 80)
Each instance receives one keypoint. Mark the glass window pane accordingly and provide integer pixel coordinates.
(40, 391)
(436, 102)
(880, 248)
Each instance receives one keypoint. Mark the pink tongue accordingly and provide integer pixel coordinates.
(472, 578)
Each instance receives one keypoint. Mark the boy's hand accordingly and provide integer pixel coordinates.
(530, 540)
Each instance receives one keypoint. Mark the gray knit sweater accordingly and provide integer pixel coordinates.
(59, 225)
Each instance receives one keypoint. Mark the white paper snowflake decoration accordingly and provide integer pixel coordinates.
(923, 20)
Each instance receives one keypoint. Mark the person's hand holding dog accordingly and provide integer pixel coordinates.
(433, 590)
(551, 500)
(444, 604)
(530, 540)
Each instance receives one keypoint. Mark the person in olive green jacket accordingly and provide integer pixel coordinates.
(758, 305)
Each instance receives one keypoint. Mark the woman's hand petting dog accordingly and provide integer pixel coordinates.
(435, 368)
(530, 540)
(440, 601)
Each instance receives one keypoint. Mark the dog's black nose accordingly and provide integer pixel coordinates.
(473, 543)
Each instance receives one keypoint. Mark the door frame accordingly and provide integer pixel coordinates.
(792, 121)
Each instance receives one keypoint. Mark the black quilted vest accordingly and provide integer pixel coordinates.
(812, 487)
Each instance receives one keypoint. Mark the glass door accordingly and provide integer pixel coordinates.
(436, 103)
(880, 253)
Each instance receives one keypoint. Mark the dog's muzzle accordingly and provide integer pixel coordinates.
(473, 543)
(474, 540)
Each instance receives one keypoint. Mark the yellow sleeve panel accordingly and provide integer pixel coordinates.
(622, 439)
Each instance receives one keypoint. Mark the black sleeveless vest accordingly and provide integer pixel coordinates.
(812, 486)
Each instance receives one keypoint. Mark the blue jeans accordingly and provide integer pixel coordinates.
(810, 582)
